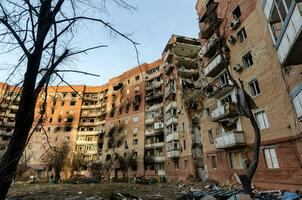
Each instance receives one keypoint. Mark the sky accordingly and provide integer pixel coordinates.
(151, 25)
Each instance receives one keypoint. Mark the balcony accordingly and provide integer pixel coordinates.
(170, 91)
(229, 140)
(171, 120)
(188, 73)
(214, 67)
(228, 110)
(154, 96)
(155, 145)
(218, 91)
(154, 85)
(149, 120)
(83, 142)
(209, 48)
(154, 107)
(173, 154)
(209, 30)
(169, 68)
(149, 133)
(172, 104)
(153, 75)
(172, 136)
(289, 39)
(210, 8)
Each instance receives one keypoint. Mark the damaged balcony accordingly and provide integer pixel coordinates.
(214, 66)
(230, 139)
(209, 29)
(209, 47)
(173, 154)
(225, 111)
(210, 7)
(286, 31)
(188, 73)
(172, 136)
(171, 120)
(217, 89)
(154, 107)
(154, 85)
(169, 68)
(154, 96)
(154, 145)
(117, 86)
(154, 158)
(153, 75)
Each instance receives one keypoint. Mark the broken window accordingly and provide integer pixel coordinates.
(54, 103)
(74, 94)
(126, 145)
(185, 146)
(261, 119)
(247, 60)
(69, 119)
(213, 162)
(186, 164)
(62, 103)
(50, 120)
(211, 138)
(226, 100)
(237, 12)
(176, 164)
(135, 119)
(223, 79)
(135, 131)
(137, 77)
(236, 160)
(271, 158)
(241, 35)
(72, 103)
(67, 128)
(135, 142)
(254, 86)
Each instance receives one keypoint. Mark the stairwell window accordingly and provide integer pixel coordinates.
(254, 87)
(247, 60)
(213, 162)
(261, 119)
(237, 12)
(271, 158)
(241, 35)
(211, 138)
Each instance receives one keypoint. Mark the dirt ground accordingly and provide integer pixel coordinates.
(25, 191)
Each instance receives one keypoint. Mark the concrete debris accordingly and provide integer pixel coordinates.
(209, 197)
(123, 196)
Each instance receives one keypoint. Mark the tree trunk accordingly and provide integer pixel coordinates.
(246, 179)
(23, 125)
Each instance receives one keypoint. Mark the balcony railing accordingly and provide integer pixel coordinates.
(154, 107)
(225, 111)
(214, 66)
(173, 154)
(83, 142)
(172, 104)
(154, 96)
(210, 29)
(172, 136)
(172, 120)
(154, 85)
(155, 145)
(219, 91)
(230, 140)
(153, 75)
(209, 47)
(188, 73)
(289, 42)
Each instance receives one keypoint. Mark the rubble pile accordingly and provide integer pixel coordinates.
(213, 191)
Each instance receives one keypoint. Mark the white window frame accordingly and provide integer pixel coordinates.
(271, 158)
(135, 119)
(297, 101)
(264, 124)
(252, 85)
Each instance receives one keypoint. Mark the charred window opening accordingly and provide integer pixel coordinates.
(108, 157)
(237, 12)
(136, 102)
(193, 106)
(67, 128)
(118, 86)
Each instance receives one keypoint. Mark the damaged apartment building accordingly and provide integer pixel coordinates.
(261, 41)
(177, 117)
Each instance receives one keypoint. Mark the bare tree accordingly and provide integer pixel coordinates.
(58, 159)
(41, 32)
(125, 162)
(77, 163)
